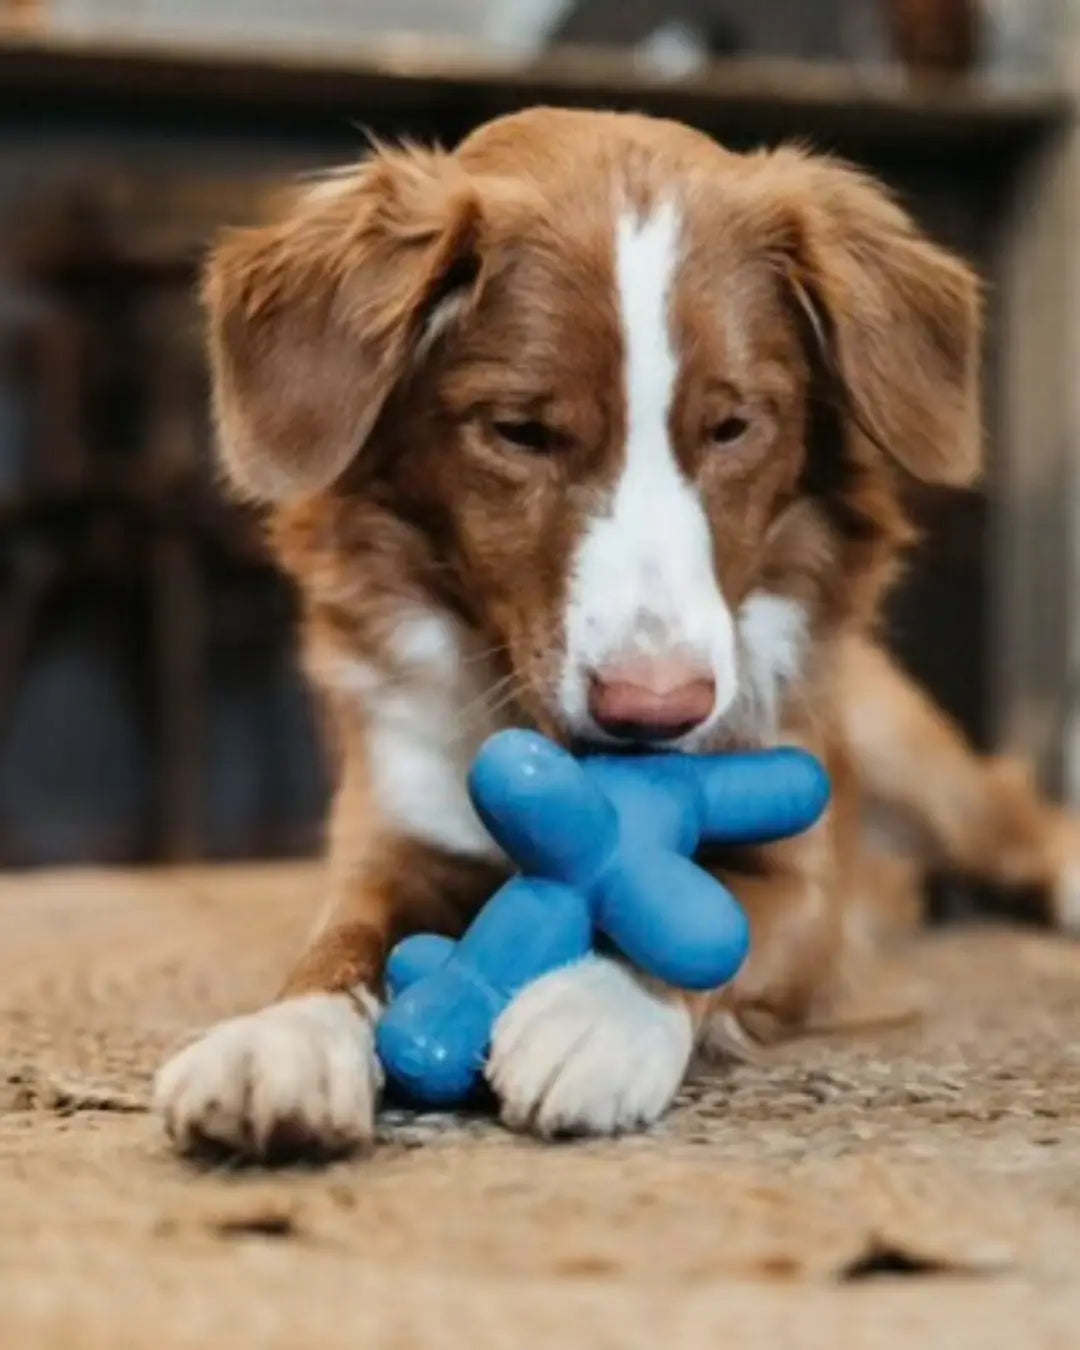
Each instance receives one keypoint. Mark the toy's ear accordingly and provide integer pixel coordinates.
(541, 808)
(760, 796)
(896, 318)
(314, 319)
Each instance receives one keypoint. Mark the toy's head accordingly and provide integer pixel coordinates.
(628, 403)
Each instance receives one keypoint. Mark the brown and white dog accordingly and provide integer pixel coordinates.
(595, 426)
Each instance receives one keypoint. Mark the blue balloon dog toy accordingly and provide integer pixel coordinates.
(604, 844)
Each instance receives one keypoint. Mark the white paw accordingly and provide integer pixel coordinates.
(589, 1050)
(298, 1077)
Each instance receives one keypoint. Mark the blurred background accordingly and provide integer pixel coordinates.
(150, 707)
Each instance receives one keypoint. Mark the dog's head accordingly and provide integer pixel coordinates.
(639, 401)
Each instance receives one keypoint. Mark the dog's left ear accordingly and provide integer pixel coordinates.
(898, 319)
(314, 319)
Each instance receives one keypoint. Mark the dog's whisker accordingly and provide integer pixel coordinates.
(482, 703)
(498, 649)
(509, 696)
(506, 700)
(486, 708)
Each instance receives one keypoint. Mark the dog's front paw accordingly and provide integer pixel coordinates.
(298, 1078)
(589, 1049)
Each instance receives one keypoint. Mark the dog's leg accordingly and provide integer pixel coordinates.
(976, 815)
(592, 1049)
(794, 893)
(300, 1076)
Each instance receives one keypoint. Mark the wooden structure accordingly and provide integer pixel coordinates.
(118, 157)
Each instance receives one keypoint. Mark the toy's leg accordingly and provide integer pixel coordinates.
(591, 1049)
(414, 960)
(300, 1077)
(977, 815)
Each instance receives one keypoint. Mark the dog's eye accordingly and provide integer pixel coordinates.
(728, 430)
(527, 434)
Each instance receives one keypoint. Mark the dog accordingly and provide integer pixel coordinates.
(593, 426)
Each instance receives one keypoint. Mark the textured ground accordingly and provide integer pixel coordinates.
(918, 1185)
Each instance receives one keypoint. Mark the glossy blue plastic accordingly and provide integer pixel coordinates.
(605, 844)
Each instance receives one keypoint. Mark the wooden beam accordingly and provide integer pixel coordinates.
(433, 82)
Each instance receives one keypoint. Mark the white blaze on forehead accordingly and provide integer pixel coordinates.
(646, 254)
(643, 581)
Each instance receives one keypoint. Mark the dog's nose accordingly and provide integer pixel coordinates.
(651, 698)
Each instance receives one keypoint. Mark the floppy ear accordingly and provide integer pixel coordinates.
(314, 319)
(898, 318)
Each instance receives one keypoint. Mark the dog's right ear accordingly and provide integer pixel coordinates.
(314, 319)
(897, 319)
